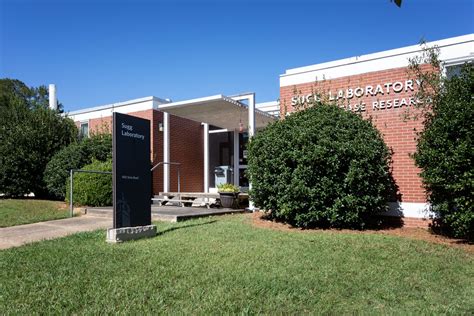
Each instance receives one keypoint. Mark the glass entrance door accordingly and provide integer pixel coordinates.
(243, 153)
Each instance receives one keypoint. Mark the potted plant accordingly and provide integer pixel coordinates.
(229, 194)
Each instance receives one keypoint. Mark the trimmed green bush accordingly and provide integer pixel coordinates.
(57, 170)
(445, 152)
(93, 189)
(75, 156)
(321, 167)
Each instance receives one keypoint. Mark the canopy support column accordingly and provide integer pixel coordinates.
(166, 152)
(206, 158)
(251, 133)
(236, 158)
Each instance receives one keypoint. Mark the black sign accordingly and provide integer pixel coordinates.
(131, 171)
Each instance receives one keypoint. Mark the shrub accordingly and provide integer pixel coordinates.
(93, 189)
(57, 170)
(98, 146)
(320, 167)
(445, 154)
(75, 156)
(30, 134)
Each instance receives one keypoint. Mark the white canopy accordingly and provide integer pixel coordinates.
(217, 110)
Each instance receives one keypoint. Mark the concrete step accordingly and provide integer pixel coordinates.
(99, 212)
(168, 213)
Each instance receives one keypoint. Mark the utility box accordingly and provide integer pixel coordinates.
(223, 174)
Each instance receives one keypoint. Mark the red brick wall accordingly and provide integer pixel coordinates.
(399, 133)
(186, 147)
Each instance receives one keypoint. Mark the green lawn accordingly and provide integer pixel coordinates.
(225, 265)
(24, 211)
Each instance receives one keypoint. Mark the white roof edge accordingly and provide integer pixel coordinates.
(267, 103)
(118, 104)
(190, 101)
(379, 55)
(208, 99)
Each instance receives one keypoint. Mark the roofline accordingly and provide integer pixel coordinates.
(208, 99)
(378, 55)
(268, 103)
(115, 105)
(163, 104)
(195, 100)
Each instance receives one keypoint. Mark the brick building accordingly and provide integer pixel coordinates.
(178, 135)
(202, 134)
(378, 86)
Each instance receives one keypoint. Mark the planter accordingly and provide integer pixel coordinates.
(229, 199)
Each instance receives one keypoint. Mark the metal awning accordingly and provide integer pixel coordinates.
(217, 110)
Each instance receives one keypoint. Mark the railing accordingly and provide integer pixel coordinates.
(71, 175)
(170, 163)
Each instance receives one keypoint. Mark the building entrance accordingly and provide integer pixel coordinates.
(222, 160)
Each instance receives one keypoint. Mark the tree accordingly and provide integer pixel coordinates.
(30, 134)
(33, 97)
(397, 2)
(445, 147)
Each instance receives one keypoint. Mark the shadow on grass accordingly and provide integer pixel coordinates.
(373, 222)
(184, 226)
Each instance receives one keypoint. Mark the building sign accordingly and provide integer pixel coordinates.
(351, 98)
(131, 171)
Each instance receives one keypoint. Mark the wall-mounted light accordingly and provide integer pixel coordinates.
(160, 127)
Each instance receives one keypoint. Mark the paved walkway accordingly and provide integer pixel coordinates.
(96, 218)
(23, 234)
(170, 213)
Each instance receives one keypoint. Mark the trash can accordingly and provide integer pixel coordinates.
(222, 174)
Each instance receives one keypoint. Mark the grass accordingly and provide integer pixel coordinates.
(225, 265)
(24, 211)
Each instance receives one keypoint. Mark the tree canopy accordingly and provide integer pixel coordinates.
(30, 134)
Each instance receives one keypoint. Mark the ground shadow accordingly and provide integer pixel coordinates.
(383, 222)
(181, 227)
(439, 228)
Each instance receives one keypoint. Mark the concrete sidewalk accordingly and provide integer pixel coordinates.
(23, 234)
(169, 213)
(96, 218)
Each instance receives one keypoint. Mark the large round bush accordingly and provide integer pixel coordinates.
(445, 153)
(91, 189)
(75, 156)
(321, 167)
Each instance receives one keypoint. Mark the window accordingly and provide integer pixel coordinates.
(84, 130)
(454, 70)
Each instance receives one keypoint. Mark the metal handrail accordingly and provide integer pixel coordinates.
(179, 173)
(165, 163)
(71, 175)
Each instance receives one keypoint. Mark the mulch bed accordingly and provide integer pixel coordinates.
(259, 220)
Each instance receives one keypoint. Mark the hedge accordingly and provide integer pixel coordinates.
(93, 189)
(322, 167)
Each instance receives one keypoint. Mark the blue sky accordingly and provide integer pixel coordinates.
(104, 51)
